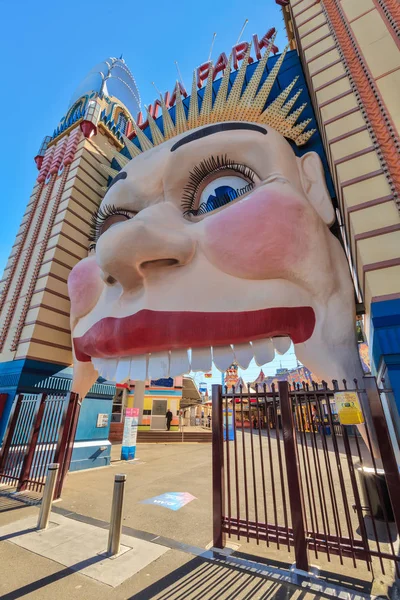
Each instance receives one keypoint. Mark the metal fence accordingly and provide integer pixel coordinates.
(288, 474)
(41, 430)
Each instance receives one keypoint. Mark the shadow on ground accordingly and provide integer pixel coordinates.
(9, 500)
(200, 579)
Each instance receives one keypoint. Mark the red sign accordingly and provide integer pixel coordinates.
(238, 53)
(131, 412)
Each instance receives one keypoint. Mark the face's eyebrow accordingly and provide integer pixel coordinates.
(122, 175)
(200, 133)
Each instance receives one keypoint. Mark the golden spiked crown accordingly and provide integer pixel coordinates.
(230, 105)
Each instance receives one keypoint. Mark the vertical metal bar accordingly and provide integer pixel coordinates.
(320, 485)
(18, 447)
(260, 437)
(236, 466)
(254, 473)
(293, 473)
(388, 457)
(48, 493)
(10, 433)
(217, 467)
(39, 464)
(341, 479)
(331, 486)
(281, 472)
(271, 467)
(385, 441)
(69, 446)
(246, 495)
(361, 523)
(360, 458)
(114, 535)
(307, 472)
(62, 442)
(228, 467)
(32, 441)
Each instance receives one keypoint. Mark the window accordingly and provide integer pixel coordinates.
(117, 407)
(121, 123)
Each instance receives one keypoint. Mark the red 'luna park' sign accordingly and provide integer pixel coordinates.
(202, 72)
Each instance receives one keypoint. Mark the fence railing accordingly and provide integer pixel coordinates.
(40, 431)
(287, 473)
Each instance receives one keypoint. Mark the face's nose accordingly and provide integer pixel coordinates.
(156, 238)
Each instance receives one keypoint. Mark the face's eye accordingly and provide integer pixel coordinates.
(221, 191)
(106, 217)
(215, 182)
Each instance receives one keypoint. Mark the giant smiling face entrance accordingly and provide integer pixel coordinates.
(214, 239)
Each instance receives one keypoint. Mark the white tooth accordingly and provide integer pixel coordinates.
(201, 359)
(110, 366)
(123, 369)
(222, 357)
(97, 362)
(282, 344)
(263, 351)
(159, 365)
(139, 367)
(179, 364)
(243, 354)
(101, 366)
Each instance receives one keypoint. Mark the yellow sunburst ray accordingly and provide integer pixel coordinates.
(156, 134)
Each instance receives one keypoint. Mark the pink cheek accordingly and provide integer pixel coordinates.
(262, 237)
(84, 286)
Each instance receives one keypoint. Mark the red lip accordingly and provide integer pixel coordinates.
(154, 331)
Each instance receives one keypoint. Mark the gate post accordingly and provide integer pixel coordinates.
(31, 445)
(12, 421)
(217, 467)
(62, 443)
(293, 479)
(69, 436)
(388, 457)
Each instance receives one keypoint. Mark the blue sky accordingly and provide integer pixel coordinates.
(50, 46)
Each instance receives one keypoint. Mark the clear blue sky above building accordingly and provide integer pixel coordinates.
(48, 47)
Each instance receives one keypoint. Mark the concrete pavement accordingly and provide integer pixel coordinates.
(183, 570)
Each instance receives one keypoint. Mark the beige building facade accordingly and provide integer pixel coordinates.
(350, 53)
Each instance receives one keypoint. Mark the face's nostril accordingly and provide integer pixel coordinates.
(161, 262)
(110, 280)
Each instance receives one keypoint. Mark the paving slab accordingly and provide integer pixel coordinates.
(81, 547)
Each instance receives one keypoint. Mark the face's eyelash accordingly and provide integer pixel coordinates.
(205, 168)
(99, 217)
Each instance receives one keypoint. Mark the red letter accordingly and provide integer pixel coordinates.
(264, 42)
(202, 73)
(220, 65)
(239, 52)
(182, 91)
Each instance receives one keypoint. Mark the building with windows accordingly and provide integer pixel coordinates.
(350, 56)
(35, 341)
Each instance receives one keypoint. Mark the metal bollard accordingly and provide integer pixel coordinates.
(48, 493)
(114, 535)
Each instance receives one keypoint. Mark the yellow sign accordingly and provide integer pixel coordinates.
(348, 408)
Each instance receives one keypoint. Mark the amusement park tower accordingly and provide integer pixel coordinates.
(35, 342)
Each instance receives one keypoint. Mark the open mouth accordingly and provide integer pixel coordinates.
(155, 344)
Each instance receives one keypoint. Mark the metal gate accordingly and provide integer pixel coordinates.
(288, 474)
(41, 430)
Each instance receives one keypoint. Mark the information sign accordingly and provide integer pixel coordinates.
(130, 434)
(348, 408)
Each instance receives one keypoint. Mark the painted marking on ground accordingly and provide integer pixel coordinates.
(171, 500)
